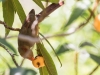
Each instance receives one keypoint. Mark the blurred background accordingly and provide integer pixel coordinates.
(78, 51)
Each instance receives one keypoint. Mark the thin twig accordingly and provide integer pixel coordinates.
(6, 26)
(76, 62)
(22, 62)
(94, 69)
(92, 12)
(11, 54)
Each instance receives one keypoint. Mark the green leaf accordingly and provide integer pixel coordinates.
(43, 71)
(8, 14)
(3, 41)
(22, 71)
(19, 10)
(52, 1)
(39, 3)
(80, 7)
(87, 44)
(65, 48)
(51, 47)
(48, 60)
(95, 58)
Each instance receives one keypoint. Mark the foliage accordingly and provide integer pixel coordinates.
(48, 60)
(74, 31)
(80, 7)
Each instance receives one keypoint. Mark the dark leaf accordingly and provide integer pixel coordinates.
(22, 71)
(8, 13)
(18, 8)
(95, 58)
(39, 3)
(87, 44)
(48, 60)
(65, 48)
(80, 7)
(3, 41)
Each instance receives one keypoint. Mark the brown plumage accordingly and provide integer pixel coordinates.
(24, 46)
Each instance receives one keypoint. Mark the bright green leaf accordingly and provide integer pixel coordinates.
(48, 60)
(95, 58)
(80, 7)
(39, 3)
(43, 71)
(19, 10)
(3, 41)
(8, 13)
(51, 47)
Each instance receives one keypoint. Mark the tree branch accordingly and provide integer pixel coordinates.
(76, 62)
(11, 54)
(43, 14)
(6, 26)
(94, 69)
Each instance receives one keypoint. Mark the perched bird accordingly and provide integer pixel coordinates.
(24, 45)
